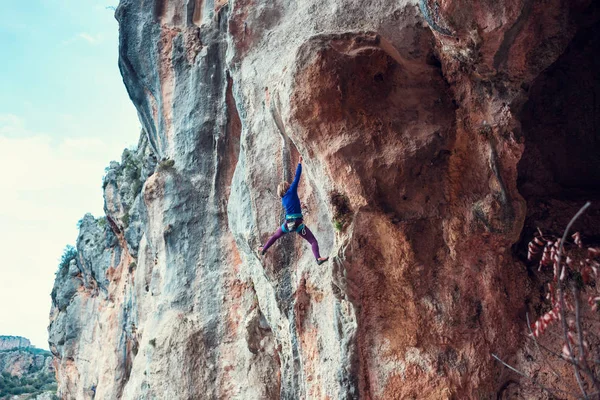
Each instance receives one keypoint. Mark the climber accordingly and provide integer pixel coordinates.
(293, 217)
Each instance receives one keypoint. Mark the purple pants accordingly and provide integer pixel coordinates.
(306, 234)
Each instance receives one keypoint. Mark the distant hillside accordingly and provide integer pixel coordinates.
(25, 371)
(12, 342)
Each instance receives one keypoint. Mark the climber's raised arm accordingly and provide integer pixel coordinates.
(294, 185)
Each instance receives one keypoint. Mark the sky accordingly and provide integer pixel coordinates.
(64, 115)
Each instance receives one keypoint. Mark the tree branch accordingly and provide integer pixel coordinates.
(538, 348)
(561, 296)
(586, 367)
(559, 356)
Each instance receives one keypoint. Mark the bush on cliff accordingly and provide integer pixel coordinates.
(342, 212)
(69, 253)
(28, 384)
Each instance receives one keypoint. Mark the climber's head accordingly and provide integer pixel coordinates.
(283, 188)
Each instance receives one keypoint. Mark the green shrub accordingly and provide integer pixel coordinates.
(69, 253)
(101, 222)
(17, 390)
(125, 220)
(137, 186)
(166, 163)
(338, 225)
(31, 385)
(342, 213)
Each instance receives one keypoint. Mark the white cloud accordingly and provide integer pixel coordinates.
(91, 39)
(10, 124)
(85, 37)
(34, 162)
(51, 174)
(47, 185)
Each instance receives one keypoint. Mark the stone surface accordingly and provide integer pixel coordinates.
(412, 118)
(13, 342)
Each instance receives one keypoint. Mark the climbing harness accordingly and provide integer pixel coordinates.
(290, 224)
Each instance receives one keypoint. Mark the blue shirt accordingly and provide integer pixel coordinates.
(291, 201)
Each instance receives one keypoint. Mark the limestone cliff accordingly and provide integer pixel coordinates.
(14, 342)
(412, 117)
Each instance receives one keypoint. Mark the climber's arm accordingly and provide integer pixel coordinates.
(294, 185)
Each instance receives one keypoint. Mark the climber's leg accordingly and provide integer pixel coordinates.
(278, 234)
(308, 235)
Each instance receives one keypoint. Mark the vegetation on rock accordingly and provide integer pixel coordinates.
(69, 253)
(27, 384)
(342, 213)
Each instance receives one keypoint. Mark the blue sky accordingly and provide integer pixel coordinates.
(64, 114)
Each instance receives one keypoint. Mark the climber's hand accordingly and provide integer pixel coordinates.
(300, 162)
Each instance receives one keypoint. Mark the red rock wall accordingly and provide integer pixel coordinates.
(412, 118)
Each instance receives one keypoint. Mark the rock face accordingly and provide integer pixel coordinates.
(21, 362)
(13, 342)
(412, 118)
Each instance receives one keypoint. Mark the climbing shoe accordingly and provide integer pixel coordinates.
(322, 260)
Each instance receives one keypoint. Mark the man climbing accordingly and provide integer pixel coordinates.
(293, 217)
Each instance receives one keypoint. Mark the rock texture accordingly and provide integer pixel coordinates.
(13, 342)
(412, 118)
(21, 362)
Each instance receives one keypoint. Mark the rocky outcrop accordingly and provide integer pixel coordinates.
(22, 362)
(13, 342)
(412, 118)
(25, 369)
(18, 357)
